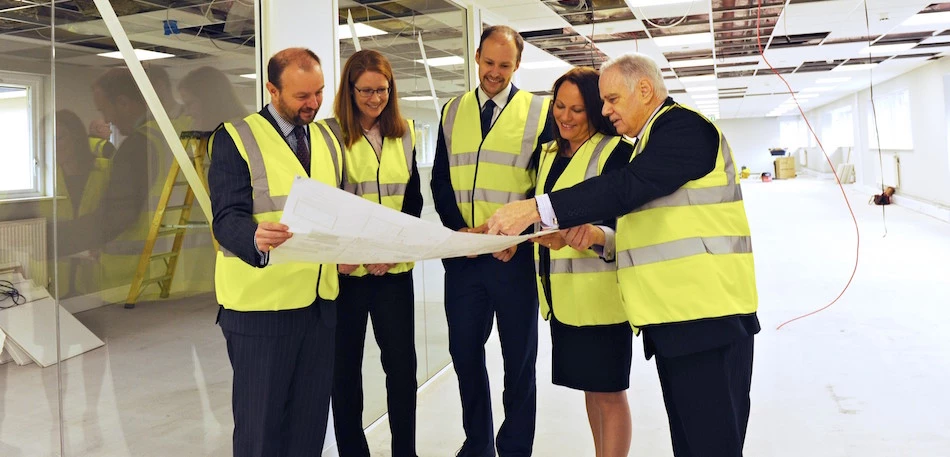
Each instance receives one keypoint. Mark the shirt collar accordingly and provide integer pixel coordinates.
(640, 133)
(500, 99)
(286, 127)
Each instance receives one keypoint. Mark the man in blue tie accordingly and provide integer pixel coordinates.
(489, 142)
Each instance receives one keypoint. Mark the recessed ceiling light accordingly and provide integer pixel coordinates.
(818, 89)
(699, 96)
(640, 3)
(141, 54)
(671, 41)
(806, 95)
(690, 63)
(886, 49)
(361, 31)
(856, 67)
(417, 98)
(942, 17)
(444, 61)
(249, 75)
(696, 79)
(701, 89)
(833, 80)
(544, 64)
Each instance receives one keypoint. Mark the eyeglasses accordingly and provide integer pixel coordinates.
(367, 93)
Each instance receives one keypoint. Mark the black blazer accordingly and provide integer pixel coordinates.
(683, 147)
(443, 194)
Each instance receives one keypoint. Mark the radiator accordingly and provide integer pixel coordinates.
(890, 170)
(23, 244)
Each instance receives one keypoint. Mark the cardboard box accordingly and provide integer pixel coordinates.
(784, 167)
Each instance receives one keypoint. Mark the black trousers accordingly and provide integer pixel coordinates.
(477, 291)
(389, 301)
(283, 369)
(707, 399)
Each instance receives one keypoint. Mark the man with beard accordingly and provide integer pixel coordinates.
(278, 320)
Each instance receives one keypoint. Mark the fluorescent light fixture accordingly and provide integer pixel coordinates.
(857, 67)
(417, 98)
(818, 89)
(444, 61)
(701, 89)
(673, 41)
(641, 3)
(361, 31)
(697, 79)
(833, 80)
(808, 95)
(249, 75)
(886, 49)
(690, 63)
(941, 18)
(699, 96)
(544, 64)
(10, 94)
(142, 54)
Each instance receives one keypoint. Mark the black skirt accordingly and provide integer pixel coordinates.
(591, 358)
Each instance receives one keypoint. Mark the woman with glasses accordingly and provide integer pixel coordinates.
(591, 340)
(380, 166)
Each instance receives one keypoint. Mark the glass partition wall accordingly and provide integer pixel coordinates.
(394, 28)
(133, 364)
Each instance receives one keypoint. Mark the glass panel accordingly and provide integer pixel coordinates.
(392, 28)
(29, 377)
(144, 373)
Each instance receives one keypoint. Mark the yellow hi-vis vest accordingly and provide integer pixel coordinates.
(584, 287)
(488, 173)
(242, 287)
(688, 255)
(380, 179)
(74, 280)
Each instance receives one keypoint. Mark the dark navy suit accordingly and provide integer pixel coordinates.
(282, 360)
(478, 291)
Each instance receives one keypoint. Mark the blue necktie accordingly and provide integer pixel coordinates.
(487, 112)
(302, 150)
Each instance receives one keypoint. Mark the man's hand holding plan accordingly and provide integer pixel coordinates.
(333, 226)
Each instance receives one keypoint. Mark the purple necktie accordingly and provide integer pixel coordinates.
(302, 150)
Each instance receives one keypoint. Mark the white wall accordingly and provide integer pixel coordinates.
(925, 171)
(750, 140)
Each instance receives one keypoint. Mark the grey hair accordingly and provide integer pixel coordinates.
(633, 66)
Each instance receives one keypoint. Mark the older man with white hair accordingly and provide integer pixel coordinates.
(684, 253)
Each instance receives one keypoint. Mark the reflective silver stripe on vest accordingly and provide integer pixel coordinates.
(530, 131)
(371, 187)
(407, 146)
(491, 196)
(731, 192)
(686, 247)
(226, 252)
(448, 121)
(584, 265)
(329, 141)
(595, 158)
(263, 202)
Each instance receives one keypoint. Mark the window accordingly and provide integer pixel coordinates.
(839, 128)
(22, 153)
(793, 133)
(893, 124)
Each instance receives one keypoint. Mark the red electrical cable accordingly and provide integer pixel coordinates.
(857, 232)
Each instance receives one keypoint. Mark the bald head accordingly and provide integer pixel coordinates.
(301, 58)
